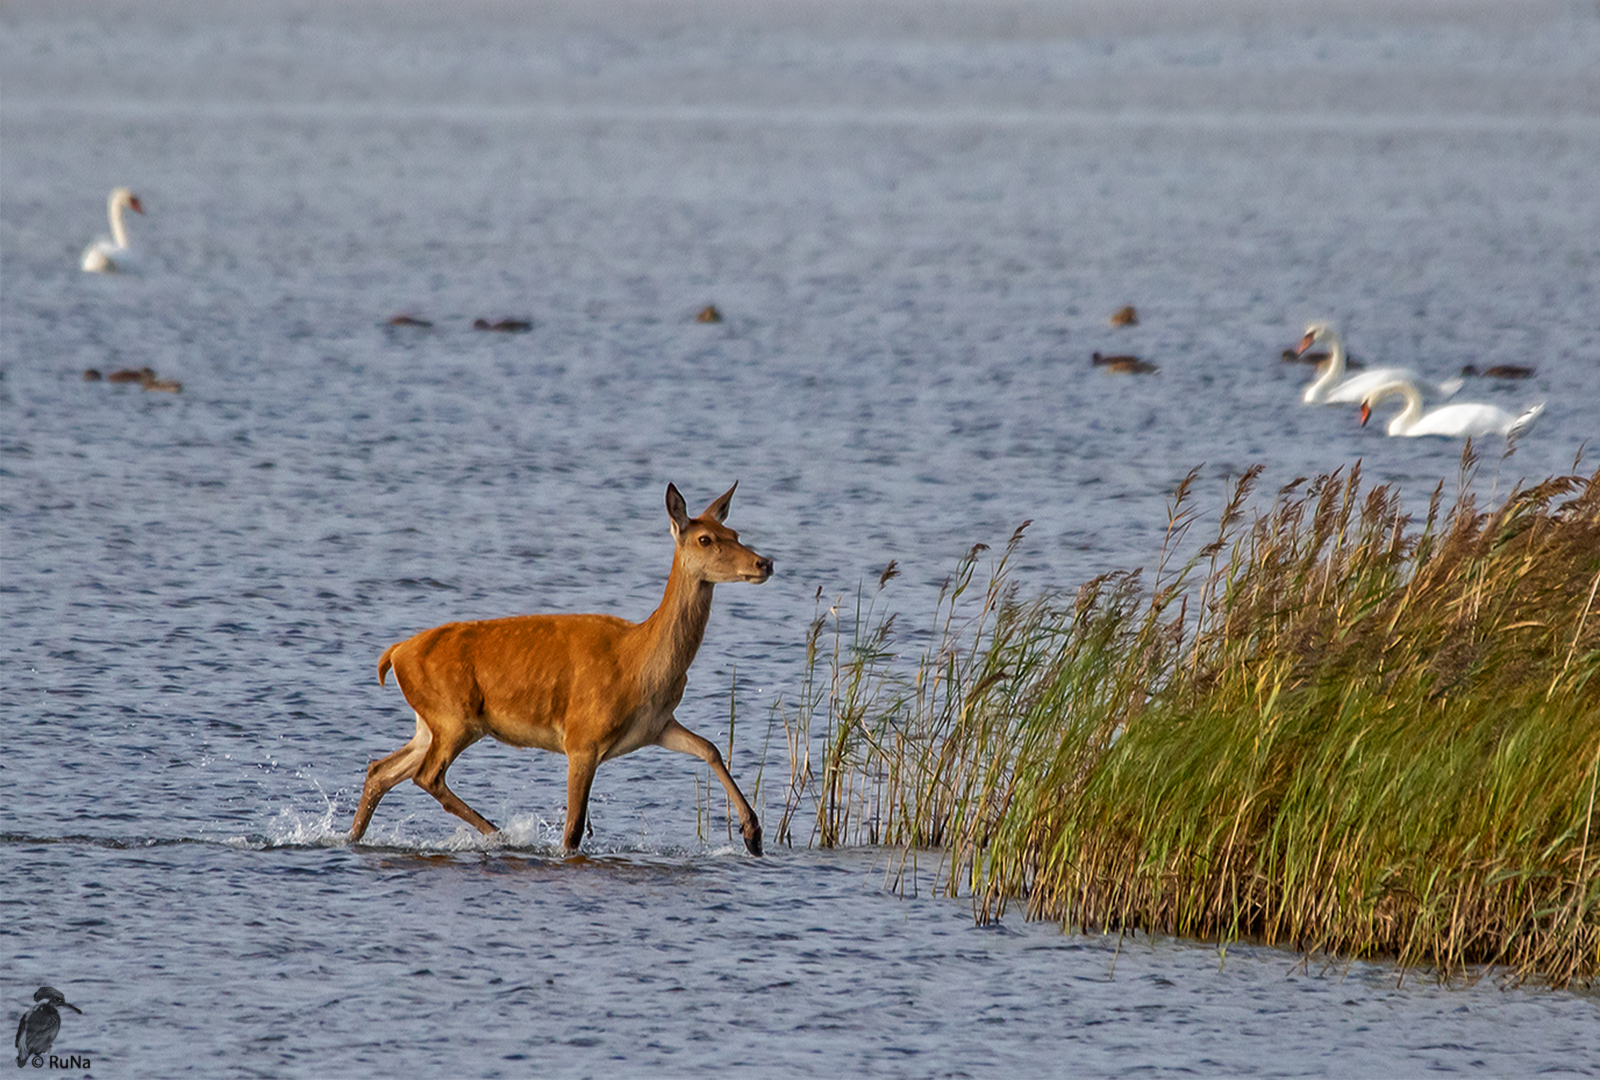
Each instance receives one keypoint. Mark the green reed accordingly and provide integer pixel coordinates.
(1331, 727)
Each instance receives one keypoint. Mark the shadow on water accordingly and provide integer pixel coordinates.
(497, 857)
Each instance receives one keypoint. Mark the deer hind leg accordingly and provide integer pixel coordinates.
(386, 772)
(677, 737)
(444, 749)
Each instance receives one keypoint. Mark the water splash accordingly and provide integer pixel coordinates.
(295, 828)
(531, 831)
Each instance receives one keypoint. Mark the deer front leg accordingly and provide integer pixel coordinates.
(581, 765)
(677, 737)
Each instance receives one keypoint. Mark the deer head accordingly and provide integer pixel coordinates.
(708, 550)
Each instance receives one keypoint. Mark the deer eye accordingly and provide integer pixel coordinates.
(705, 541)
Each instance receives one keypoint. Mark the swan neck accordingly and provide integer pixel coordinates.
(1332, 371)
(119, 234)
(1335, 352)
(1411, 413)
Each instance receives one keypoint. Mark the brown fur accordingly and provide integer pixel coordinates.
(592, 687)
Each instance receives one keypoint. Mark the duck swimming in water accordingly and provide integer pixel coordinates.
(1124, 365)
(1499, 371)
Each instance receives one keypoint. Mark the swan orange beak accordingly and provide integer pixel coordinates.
(1305, 343)
(134, 204)
(1366, 413)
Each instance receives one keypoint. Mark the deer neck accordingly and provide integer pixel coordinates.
(673, 632)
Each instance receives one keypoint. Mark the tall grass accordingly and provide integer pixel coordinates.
(1331, 727)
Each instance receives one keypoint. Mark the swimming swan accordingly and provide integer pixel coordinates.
(1466, 420)
(101, 256)
(1326, 389)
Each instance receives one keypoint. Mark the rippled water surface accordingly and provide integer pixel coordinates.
(916, 220)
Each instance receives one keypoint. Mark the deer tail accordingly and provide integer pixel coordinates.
(384, 661)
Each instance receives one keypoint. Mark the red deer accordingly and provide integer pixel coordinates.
(592, 687)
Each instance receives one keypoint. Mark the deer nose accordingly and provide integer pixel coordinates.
(764, 564)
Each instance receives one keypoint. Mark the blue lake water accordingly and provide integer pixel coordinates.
(916, 221)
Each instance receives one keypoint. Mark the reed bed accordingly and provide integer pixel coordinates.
(1331, 727)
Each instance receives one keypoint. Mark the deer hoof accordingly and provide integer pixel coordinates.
(752, 841)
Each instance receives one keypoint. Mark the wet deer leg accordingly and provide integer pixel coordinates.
(386, 772)
(430, 778)
(677, 737)
(581, 765)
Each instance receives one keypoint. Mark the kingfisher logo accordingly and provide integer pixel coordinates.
(38, 1028)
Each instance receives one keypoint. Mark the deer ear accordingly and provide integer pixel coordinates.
(719, 506)
(676, 510)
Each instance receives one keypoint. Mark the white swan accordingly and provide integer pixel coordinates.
(103, 256)
(1465, 420)
(1327, 389)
